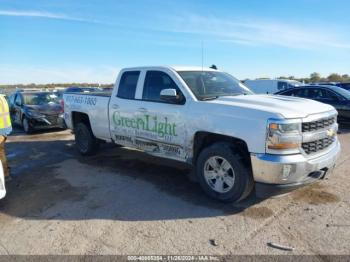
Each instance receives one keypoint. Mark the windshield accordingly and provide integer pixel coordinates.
(211, 84)
(40, 99)
(59, 94)
(342, 92)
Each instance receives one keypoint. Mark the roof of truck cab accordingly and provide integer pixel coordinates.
(266, 80)
(176, 68)
(192, 68)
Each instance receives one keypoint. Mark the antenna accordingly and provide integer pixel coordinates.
(202, 55)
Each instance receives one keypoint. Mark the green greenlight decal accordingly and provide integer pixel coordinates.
(146, 123)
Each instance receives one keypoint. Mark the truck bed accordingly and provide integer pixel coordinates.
(105, 94)
(94, 105)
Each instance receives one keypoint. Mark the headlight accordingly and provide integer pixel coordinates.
(283, 137)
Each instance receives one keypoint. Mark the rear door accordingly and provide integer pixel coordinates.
(122, 109)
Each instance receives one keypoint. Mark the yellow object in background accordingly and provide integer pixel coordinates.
(3, 157)
(5, 129)
(5, 119)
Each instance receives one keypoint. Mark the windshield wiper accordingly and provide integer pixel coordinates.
(238, 94)
(209, 98)
(217, 96)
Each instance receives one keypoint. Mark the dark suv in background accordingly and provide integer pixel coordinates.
(344, 85)
(332, 95)
(36, 110)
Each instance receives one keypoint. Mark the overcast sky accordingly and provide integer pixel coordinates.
(45, 41)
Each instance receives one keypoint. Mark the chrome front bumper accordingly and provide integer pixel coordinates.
(293, 170)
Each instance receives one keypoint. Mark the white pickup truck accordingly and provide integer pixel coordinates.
(234, 139)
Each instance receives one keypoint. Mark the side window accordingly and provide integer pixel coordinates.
(282, 85)
(315, 93)
(296, 92)
(331, 96)
(128, 84)
(155, 82)
(301, 93)
(288, 93)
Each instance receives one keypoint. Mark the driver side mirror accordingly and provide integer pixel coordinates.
(170, 96)
(17, 103)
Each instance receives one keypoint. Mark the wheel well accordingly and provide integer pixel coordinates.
(205, 139)
(78, 117)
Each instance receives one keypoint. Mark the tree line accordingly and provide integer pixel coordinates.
(313, 78)
(54, 85)
(316, 78)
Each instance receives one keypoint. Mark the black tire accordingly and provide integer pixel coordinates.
(26, 126)
(85, 141)
(243, 180)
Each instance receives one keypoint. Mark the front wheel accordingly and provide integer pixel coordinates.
(86, 142)
(26, 126)
(222, 173)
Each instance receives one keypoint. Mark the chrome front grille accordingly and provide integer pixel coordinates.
(324, 127)
(318, 145)
(52, 119)
(319, 124)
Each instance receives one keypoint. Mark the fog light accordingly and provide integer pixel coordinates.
(286, 171)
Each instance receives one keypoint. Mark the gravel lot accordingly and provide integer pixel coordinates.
(124, 202)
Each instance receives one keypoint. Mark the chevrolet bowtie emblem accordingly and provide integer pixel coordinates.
(330, 133)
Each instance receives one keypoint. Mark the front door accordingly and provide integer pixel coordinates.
(140, 119)
(163, 125)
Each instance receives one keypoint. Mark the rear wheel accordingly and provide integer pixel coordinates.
(222, 173)
(86, 142)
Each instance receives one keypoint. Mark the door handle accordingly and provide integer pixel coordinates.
(115, 106)
(142, 109)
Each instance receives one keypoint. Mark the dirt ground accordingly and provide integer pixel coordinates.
(124, 202)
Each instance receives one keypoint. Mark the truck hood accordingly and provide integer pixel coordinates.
(285, 106)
